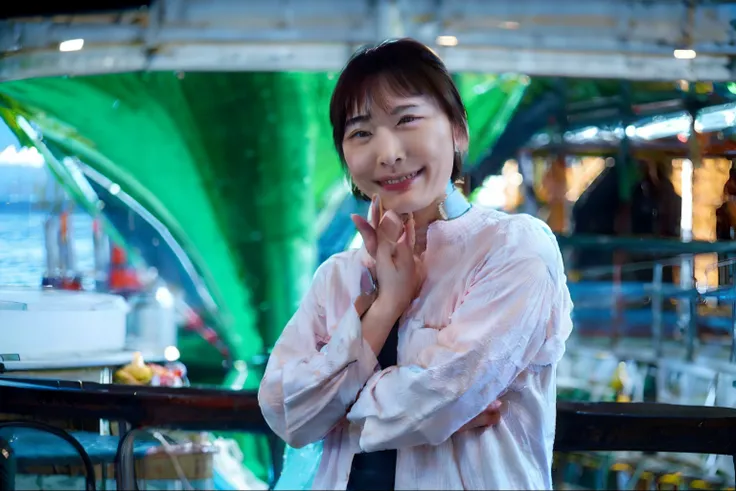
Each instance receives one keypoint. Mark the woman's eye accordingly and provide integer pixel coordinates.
(360, 134)
(407, 119)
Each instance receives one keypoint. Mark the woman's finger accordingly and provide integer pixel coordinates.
(376, 211)
(404, 252)
(493, 417)
(493, 413)
(381, 209)
(385, 251)
(410, 231)
(367, 232)
(490, 416)
(477, 422)
(391, 227)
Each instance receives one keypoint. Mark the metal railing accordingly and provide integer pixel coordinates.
(688, 294)
(580, 426)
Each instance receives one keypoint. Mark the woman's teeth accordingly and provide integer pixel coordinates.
(401, 179)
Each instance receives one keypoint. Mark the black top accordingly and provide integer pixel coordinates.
(377, 470)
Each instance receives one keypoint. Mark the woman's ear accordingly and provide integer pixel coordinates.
(460, 136)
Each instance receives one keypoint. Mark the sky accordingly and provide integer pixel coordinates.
(11, 153)
(7, 138)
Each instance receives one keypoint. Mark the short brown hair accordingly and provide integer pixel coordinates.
(409, 68)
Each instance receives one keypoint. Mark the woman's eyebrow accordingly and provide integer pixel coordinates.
(362, 118)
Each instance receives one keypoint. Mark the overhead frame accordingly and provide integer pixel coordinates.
(632, 39)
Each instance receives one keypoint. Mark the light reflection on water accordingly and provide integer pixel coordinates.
(22, 255)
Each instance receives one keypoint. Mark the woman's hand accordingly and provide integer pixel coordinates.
(380, 225)
(398, 271)
(368, 229)
(491, 416)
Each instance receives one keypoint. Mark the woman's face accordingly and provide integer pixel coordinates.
(402, 150)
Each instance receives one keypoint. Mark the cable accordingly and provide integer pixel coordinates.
(89, 478)
(125, 453)
(174, 460)
(122, 462)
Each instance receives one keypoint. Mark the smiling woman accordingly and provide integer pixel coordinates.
(402, 378)
(392, 103)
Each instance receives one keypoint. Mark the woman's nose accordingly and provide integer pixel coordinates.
(389, 151)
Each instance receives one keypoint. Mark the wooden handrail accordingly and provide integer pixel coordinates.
(580, 426)
(141, 407)
(649, 427)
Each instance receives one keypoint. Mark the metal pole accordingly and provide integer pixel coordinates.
(657, 310)
(692, 329)
(692, 305)
(617, 305)
(732, 357)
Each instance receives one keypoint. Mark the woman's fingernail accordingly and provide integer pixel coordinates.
(367, 283)
(496, 404)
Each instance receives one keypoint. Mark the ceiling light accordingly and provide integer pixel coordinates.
(71, 45)
(447, 40)
(685, 54)
(509, 24)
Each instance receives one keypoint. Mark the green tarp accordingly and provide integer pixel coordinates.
(235, 165)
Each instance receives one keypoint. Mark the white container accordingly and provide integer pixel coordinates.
(151, 324)
(41, 324)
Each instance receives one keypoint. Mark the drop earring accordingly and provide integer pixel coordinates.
(454, 205)
(442, 210)
(448, 190)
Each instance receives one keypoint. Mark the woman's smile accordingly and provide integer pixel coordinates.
(401, 182)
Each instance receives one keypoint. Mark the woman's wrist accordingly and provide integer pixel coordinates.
(376, 324)
(387, 308)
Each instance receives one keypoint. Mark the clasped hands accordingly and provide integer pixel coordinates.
(397, 270)
(399, 273)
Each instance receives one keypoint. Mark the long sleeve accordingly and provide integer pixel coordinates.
(315, 373)
(515, 313)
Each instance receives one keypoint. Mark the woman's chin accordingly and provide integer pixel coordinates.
(405, 203)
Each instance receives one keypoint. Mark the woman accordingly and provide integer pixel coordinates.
(474, 302)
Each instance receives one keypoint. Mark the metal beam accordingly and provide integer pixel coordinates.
(67, 7)
(598, 38)
(520, 129)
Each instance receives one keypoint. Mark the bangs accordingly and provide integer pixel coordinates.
(379, 88)
(403, 68)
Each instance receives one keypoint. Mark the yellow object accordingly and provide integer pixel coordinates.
(123, 377)
(620, 381)
(645, 481)
(621, 467)
(699, 484)
(136, 372)
(670, 481)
